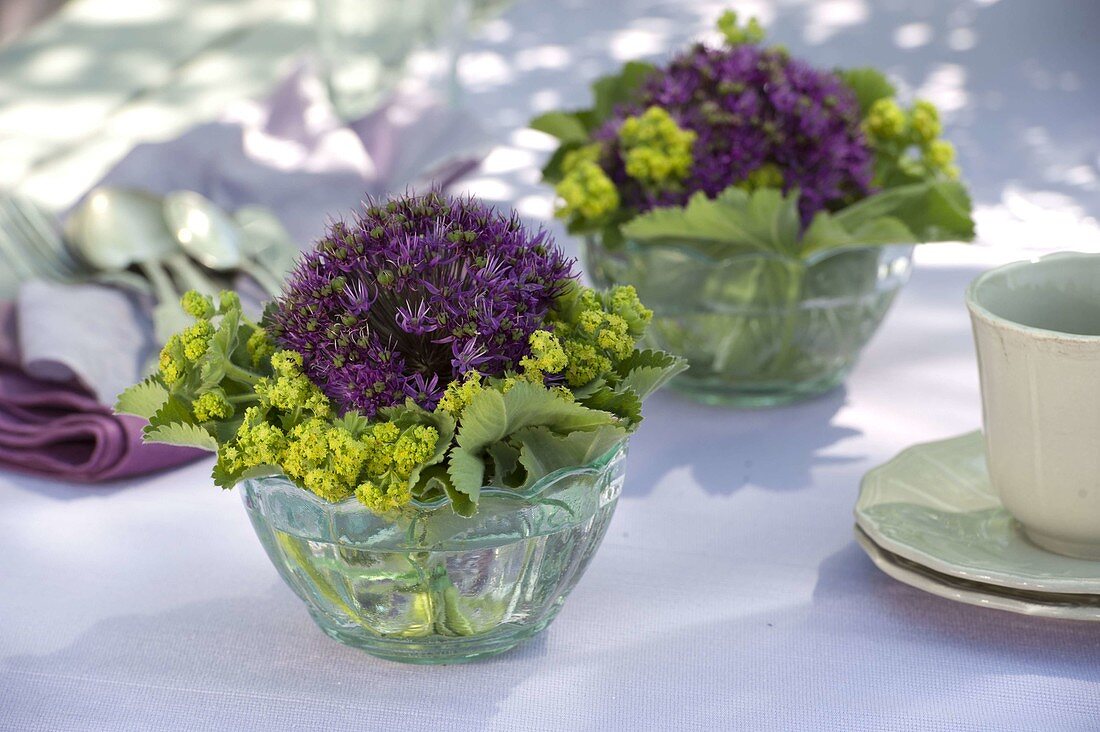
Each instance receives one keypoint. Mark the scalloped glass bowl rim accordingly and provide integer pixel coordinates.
(544, 484)
(633, 246)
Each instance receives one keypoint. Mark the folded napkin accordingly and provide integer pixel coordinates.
(67, 351)
(57, 427)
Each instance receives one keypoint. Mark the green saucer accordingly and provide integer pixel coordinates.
(933, 505)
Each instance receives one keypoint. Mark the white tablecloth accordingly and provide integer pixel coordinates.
(729, 593)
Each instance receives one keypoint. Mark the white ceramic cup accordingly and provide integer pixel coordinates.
(1037, 330)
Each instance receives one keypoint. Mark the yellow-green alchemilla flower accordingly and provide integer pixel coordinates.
(290, 390)
(392, 456)
(459, 393)
(587, 193)
(257, 442)
(737, 35)
(599, 331)
(656, 151)
(197, 305)
(325, 457)
(211, 406)
(924, 119)
(885, 120)
(767, 175)
(547, 356)
(183, 349)
(260, 346)
(940, 155)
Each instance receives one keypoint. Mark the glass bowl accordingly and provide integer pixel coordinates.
(435, 587)
(758, 329)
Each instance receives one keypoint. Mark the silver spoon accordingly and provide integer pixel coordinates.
(211, 238)
(116, 228)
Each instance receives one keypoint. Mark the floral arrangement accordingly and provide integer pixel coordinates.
(425, 348)
(744, 148)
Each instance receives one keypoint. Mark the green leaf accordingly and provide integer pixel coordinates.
(454, 619)
(932, 211)
(433, 483)
(543, 451)
(220, 351)
(467, 471)
(143, 399)
(828, 232)
(409, 415)
(173, 410)
(505, 458)
(353, 422)
(622, 402)
(491, 417)
(181, 433)
(563, 125)
(267, 318)
(226, 429)
(869, 86)
(615, 89)
(461, 503)
(552, 171)
(644, 372)
(764, 220)
(223, 479)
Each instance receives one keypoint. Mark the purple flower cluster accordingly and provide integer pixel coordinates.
(411, 294)
(750, 106)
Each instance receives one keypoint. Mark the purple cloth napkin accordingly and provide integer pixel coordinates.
(57, 429)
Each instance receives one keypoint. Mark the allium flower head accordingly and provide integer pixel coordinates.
(750, 107)
(411, 294)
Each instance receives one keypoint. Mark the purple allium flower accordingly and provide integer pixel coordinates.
(750, 106)
(411, 294)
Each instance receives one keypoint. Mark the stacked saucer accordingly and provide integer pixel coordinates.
(930, 518)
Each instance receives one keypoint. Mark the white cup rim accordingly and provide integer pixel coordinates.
(980, 311)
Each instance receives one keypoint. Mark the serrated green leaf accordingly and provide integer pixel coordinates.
(931, 211)
(432, 483)
(467, 471)
(173, 410)
(491, 416)
(645, 372)
(221, 477)
(181, 433)
(267, 318)
(461, 503)
(869, 86)
(563, 125)
(505, 459)
(220, 351)
(765, 220)
(143, 399)
(353, 422)
(543, 451)
(224, 479)
(226, 429)
(622, 402)
(410, 414)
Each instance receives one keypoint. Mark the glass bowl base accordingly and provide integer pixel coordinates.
(754, 394)
(435, 650)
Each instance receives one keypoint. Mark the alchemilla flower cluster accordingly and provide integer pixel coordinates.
(425, 347)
